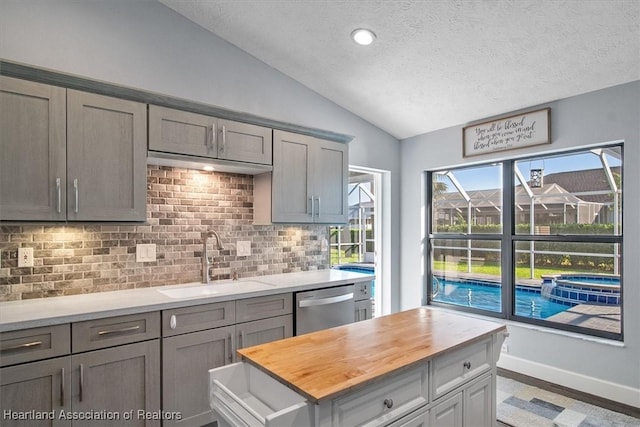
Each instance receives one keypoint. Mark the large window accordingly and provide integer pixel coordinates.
(536, 240)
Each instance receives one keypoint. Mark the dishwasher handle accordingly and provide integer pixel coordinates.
(312, 302)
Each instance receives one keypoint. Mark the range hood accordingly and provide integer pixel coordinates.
(204, 163)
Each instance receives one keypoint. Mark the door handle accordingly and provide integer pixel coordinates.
(311, 302)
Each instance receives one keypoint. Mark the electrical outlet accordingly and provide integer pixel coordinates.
(25, 257)
(146, 252)
(243, 248)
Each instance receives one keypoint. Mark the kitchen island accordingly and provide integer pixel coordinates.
(418, 367)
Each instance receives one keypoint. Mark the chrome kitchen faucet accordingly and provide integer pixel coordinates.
(206, 261)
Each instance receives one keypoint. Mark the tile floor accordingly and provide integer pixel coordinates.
(522, 405)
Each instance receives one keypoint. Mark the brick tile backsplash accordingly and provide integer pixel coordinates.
(182, 204)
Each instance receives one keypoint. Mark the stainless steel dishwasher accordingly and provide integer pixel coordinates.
(324, 308)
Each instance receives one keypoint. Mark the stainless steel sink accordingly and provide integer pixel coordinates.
(217, 288)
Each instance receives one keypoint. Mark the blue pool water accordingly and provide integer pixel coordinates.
(487, 296)
(360, 269)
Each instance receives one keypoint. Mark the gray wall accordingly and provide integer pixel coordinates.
(143, 44)
(602, 116)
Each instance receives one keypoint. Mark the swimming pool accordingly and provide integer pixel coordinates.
(367, 269)
(487, 296)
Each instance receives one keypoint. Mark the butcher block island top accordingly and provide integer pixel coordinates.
(326, 364)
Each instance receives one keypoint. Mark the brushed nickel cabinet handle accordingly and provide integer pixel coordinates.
(75, 189)
(62, 387)
(313, 204)
(173, 322)
(81, 381)
(318, 211)
(58, 196)
(231, 347)
(119, 331)
(21, 346)
(224, 139)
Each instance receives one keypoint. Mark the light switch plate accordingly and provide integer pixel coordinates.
(243, 248)
(146, 252)
(25, 257)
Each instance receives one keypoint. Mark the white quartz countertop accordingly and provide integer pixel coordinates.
(73, 308)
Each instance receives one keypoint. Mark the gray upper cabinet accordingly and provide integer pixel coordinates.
(181, 132)
(192, 134)
(243, 142)
(70, 155)
(33, 160)
(106, 158)
(309, 180)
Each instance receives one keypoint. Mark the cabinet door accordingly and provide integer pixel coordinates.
(479, 406)
(330, 181)
(182, 132)
(186, 360)
(419, 418)
(33, 146)
(106, 158)
(264, 331)
(448, 413)
(291, 192)
(244, 142)
(363, 310)
(118, 380)
(43, 387)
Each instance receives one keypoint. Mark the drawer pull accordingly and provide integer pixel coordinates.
(388, 403)
(120, 331)
(467, 365)
(21, 346)
(173, 322)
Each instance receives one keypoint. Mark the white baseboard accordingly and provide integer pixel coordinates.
(605, 389)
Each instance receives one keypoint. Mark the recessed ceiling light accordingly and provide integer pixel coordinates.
(363, 37)
(208, 168)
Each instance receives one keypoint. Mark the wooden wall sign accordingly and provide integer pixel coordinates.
(509, 133)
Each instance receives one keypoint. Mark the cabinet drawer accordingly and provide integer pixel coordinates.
(243, 395)
(112, 331)
(34, 344)
(381, 404)
(198, 317)
(450, 370)
(263, 307)
(362, 291)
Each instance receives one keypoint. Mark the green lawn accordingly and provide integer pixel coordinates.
(493, 269)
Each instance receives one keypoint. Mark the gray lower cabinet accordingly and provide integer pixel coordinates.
(186, 360)
(203, 337)
(192, 134)
(52, 379)
(264, 331)
(119, 380)
(86, 155)
(32, 132)
(43, 387)
(308, 183)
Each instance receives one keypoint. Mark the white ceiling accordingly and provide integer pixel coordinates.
(435, 63)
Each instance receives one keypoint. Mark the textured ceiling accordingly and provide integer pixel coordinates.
(435, 63)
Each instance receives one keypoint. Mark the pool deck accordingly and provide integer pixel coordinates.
(592, 316)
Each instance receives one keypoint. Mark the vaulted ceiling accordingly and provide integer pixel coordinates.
(435, 63)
